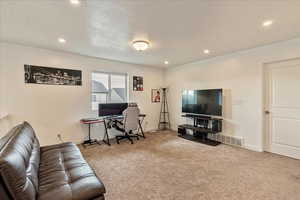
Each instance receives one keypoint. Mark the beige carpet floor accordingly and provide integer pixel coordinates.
(164, 166)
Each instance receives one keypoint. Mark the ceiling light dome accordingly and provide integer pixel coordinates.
(267, 23)
(206, 51)
(61, 40)
(140, 45)
(75, 2)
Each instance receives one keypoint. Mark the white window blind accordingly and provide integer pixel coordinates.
(108, 88)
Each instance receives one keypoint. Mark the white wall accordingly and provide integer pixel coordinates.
(4, 122)
(241, 77)
(57, 109)
(1, 82)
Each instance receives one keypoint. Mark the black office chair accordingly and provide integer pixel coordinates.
(129, 125)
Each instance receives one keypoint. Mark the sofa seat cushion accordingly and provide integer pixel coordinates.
(65, 175)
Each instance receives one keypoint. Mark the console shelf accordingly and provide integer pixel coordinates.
(201, 117)
(200, 140)
(198, 129)
(203, 125)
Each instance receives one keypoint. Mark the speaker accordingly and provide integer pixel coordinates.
(216, 125)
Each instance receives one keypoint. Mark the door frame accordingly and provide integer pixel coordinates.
(266, 83)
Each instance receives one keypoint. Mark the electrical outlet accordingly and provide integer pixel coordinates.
(59, 137)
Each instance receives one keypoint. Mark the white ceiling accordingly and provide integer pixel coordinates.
(178, 30)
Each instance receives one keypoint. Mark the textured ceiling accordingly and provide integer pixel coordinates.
(178, 30)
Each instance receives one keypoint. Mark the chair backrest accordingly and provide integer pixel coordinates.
(19, 163)
(131, 117)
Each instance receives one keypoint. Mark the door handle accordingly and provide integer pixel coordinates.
(267, 112)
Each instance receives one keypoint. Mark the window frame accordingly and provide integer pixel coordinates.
(109, 86)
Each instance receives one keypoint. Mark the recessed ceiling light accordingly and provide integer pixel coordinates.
(75, 2)
(140, 45)
(61, 40)
(267, 23)
(206, 51)
(166, 62)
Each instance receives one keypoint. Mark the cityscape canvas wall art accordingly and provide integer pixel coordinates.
(52, 76)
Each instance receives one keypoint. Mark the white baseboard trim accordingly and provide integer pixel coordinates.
(151, 131)
(253, 148)
(110, 137)
(246, 146)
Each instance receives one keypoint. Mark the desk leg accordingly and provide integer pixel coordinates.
(90, 141)
(141, 128)
(89, 132)
(106, 134)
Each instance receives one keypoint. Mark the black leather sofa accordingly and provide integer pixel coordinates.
(31, 172)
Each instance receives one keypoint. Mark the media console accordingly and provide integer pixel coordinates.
(202, 126)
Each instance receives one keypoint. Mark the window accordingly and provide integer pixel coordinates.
(108, 88)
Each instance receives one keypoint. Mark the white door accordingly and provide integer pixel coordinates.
(283, 108)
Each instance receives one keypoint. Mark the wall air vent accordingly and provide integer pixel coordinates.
(231, 140)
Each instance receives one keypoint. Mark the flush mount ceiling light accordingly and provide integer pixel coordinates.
(166, 62)
(267, 23)
(140, 45)
(206, 51)
(75, 2)
(61, 40)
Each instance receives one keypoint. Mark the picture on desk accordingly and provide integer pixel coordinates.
(155, 95)
(52, 76)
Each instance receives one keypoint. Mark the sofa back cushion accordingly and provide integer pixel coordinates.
(19, 162)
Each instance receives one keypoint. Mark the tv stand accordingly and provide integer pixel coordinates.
(202, 126)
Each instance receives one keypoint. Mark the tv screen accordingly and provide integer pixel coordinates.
(205, 102)
(106, 109)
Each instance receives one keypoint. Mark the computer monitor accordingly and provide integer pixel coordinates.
(106, 109)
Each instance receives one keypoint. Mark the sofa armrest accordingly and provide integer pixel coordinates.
(55, 146)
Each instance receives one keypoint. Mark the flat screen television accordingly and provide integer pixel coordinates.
(202, 102)
(106, 109)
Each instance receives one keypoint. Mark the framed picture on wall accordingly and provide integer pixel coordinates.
(155, 95)
(52, 76)
(138, 83)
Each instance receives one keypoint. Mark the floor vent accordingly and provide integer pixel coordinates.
(231, 140)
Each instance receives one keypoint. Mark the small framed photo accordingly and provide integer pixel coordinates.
(155, 95)
(138, 83)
